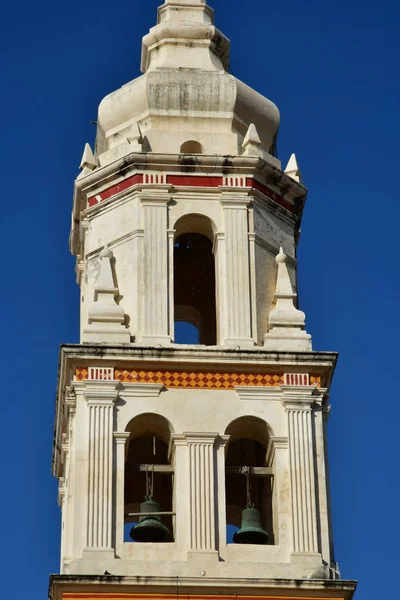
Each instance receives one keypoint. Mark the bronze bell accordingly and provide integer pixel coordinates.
(250, 531)
(149, 528)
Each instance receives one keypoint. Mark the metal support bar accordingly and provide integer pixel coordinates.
(164, 469)
(257, 471)
(150, 514)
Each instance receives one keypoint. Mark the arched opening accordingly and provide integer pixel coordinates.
(191, 147)
(194, 277)
(248, 443)
(148, 471)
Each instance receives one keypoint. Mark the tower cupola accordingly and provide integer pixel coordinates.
(185, 94)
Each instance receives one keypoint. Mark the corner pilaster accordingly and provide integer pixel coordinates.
(100, 398)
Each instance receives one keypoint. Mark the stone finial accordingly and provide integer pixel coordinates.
(286, 323)
(88, 161)
(106, 318)
(252, 143)
(292, 169)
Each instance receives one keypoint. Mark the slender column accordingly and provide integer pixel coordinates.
(100, 398)
(171, 316)
(220, 287)
(239, 331)
(156, 276)
(67, 498)
(299, 403)
(120, 441)
(202, 491)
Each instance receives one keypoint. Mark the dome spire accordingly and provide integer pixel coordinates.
(178, 21)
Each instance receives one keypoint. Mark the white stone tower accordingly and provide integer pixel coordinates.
(183, 213)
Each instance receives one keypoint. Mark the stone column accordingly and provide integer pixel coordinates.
(100, 397)
(156, 299)
(299, 406)
(237, 274)
(120, 442)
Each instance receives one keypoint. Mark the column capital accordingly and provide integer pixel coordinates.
(275, 443)
(299, 397)
(121, 437)
(103, 393)
(156, 199)
(200, 437)
(230, 200)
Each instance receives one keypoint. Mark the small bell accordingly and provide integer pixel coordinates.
(250, 531)
(149, 528)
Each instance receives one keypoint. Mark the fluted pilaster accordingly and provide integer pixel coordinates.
(238, 313)
(100, 399)
(156, 297)
(299, 403)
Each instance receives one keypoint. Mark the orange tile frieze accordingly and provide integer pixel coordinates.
(121, 596)
(189, 379)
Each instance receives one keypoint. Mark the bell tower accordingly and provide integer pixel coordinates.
(193, 469)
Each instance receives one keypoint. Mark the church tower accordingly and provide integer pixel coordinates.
(194, 470)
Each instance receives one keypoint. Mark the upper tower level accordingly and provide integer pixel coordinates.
(182, 209)
(185, 94)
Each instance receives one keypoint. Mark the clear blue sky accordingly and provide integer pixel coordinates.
(332, 68)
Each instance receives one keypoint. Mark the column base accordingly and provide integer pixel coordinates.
(203, 559)
(155, 340)
(96, 553)
(240, 342)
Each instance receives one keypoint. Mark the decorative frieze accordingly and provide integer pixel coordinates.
(100, 373)
(202, 379)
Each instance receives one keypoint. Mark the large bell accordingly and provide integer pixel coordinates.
(149, 528)
(250, 531)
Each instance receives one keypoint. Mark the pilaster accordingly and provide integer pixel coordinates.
(120, 443)
(238, 306)
(156, 289)
(299, 402)
(100, 398)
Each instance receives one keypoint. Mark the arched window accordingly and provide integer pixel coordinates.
(194, 276)
(191, 147)
(249, 438)
(147, 470)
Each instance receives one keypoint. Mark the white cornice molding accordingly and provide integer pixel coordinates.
(259, 392)
(141, 390)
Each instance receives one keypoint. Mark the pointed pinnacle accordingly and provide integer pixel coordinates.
(252, 136)
(292, 168)
(88, 159)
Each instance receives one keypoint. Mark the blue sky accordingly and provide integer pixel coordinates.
(332, 68)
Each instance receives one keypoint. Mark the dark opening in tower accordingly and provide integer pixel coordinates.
(148, 476)
(248, 445)
(194, 278)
